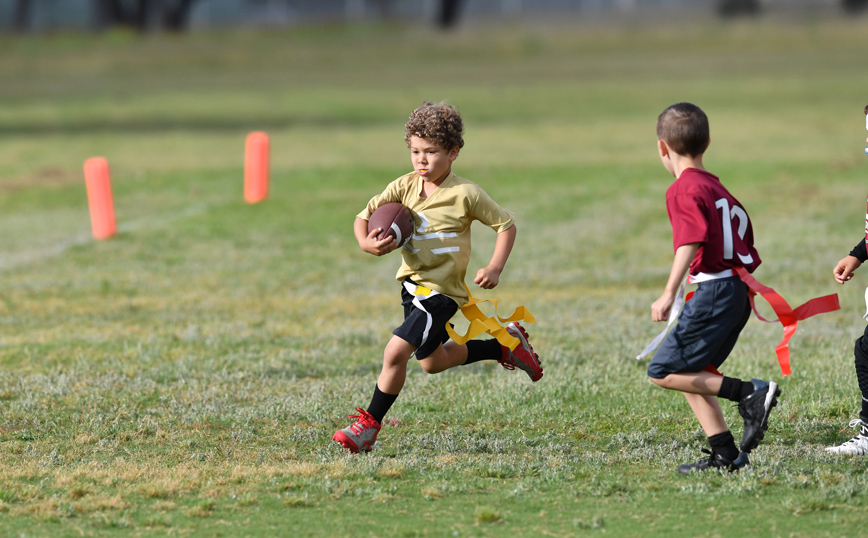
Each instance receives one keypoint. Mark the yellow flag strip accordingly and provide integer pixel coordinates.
(480, 323)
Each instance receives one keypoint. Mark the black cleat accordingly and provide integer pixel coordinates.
(754, 409)
(715, 461)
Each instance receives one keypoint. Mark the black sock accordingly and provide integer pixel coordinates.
(380, 404)
(735, 389)
(864, 414)
(483, 350)
(724, 444)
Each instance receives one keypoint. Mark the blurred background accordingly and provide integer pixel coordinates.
(179, 15)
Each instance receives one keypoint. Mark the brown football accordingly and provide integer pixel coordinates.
(394, 219)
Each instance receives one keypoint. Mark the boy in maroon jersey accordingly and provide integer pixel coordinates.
(712, 235)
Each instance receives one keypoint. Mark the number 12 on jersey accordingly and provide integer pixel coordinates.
(728, 214)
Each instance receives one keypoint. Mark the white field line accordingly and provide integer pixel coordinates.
(151, 221)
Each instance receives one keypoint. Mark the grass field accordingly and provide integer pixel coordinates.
(186, 376)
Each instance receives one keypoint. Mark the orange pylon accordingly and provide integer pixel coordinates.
(99, 197)
(256, 167)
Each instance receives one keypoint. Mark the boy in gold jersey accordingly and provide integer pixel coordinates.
(434, 263)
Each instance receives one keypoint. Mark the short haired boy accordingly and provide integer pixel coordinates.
(712, 235)
(434, 263)
(858, 445)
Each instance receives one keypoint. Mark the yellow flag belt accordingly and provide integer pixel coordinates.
(480, 323)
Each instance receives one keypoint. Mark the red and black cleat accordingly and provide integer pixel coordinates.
(523, 356)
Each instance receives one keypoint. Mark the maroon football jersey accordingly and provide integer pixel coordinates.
(701, 210)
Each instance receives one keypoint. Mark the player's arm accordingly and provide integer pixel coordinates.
(369, 242)
(683, 256)
(844, 269)
(489, 276)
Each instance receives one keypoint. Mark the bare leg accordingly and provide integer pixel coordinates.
(394, 373)
(447, 356)
(708, 412)
(700, 389)
(693, 383)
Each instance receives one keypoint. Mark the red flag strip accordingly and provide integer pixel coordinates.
(788, 316)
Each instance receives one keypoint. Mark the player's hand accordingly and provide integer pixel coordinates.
(843, 271)
(378, 247)
(661, 307)
(487, 277)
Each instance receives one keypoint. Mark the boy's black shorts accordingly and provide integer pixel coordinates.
(707, 329)
(425, 318)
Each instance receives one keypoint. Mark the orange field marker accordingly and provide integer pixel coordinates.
(256, 167)
(99, 197)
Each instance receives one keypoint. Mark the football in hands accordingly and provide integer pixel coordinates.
(395, 220)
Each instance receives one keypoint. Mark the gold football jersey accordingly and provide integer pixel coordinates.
(437, 254)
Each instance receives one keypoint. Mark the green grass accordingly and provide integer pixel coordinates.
(187, 376)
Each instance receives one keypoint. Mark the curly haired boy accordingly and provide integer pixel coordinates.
(433, 266)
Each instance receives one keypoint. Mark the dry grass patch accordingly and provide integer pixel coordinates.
(241, 474)
(214, 493)
(306, 469)
(79, 492)
(447, 459)
(391, 470)
(43, 508)
(431, 492)
(22, 471)
(101, 503)
(160, 490)
(164, 506)
(202, 509)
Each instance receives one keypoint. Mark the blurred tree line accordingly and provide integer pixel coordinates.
(174, 15)
(171, 15)
(447, 15)
(751, 7)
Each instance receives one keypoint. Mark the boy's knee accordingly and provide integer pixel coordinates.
(392, 359)
(397, 352)
(660, 381)
(429, 367)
